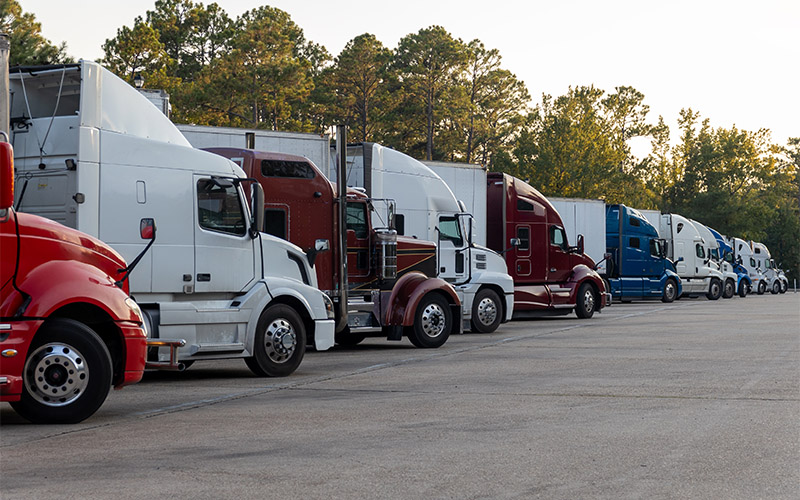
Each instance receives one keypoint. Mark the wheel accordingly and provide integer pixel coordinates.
(784, 286)
(714, 289)
(487, 311)
(280, 342)
(670, 291)
(432, 322)
(585, 301)
(729, 290)
(776, 288)
(743, 289)
(67, 374)
(762, 287)
(346, 338)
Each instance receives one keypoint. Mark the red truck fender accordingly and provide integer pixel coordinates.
(582, 273)
(409, 291)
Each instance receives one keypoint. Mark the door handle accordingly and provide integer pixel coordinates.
(204, 277)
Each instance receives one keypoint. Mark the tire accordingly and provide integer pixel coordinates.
(729, 290)
(585, 302)
(346, 338)
(487, 311)
(280, 342)
(714, 289)
(67, 374)
(784, 286)
(670, 292)
(743, 289)
(432, 322)
(776, 288)
(762, 287)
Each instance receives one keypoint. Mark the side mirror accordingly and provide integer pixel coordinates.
(580, 243)
(680, 259)
(319, 246)
(257, 204)
(6, 176)
(147, 229)
(514, 242)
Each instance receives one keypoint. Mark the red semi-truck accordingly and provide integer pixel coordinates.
(68, 328)
(550, 277)
(391, 285)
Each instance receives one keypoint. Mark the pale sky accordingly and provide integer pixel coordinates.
(736, 62)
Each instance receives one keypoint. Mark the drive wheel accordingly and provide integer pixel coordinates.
(714, 290)
(762, 287)
(670, 291)
(432, 322)
(280, 342)
(586, 302)
(730, 289)
(743, 289)
(776, 288)
(487, 311)
(67, 374)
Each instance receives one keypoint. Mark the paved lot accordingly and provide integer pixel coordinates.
(695, 399)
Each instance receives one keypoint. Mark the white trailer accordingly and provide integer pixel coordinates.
(467, 181)
(94, 154)
(315, 147)
(586, 217)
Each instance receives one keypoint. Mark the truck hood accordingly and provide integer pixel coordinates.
(73, 244)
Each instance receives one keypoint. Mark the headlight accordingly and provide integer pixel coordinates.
(328, 306)
(134, 307)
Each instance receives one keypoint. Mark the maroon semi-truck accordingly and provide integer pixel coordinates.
(550, 276)
(390, 283)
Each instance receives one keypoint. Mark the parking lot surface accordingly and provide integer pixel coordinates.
(694, 399)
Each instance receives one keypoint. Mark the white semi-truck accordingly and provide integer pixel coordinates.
(729, 278)
(95, 155)
(687, 248)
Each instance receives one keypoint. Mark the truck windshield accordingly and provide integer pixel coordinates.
(655, 248)
(450, 229)
(219, 208)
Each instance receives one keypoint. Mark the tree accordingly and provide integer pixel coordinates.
(27, 45)
(138, 51)
(427, 63)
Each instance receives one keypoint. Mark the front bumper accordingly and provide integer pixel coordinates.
(324, 330)
(14, 348)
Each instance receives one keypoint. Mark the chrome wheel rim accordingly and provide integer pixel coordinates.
(669, 291)
(487, 311)
(280, 340)
(433, 320)
(56, 374)
(588, 301)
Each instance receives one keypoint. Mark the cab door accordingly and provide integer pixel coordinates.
(358, 240)
(452, 249)
(223, 250)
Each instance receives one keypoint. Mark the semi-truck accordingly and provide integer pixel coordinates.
(688, 250)
(729, 277)
(68, 329)
(637, 267)
(94, 154)
(743, 282)
(386, 284)
(775, 280)
(745, 257)
(550, 275)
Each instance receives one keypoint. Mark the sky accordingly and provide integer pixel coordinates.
(735, 62)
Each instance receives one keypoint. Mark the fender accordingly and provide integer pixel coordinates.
(668, 273)
(580, 274)
(407, 294)
(58, 283)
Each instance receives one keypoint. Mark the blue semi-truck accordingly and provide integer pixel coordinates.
(637, 266)
(743, 282)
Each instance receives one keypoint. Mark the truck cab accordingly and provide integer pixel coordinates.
(688, 250)
(384, 272)
(550, 276)
(729, 277)
(68, 328)
(638, 267)
(97, 156)
(743, 283)
(775, 279)
(745, 256)
(428, 210)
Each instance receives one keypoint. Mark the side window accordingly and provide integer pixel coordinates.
(400, 224)
(700, 251)
(633, 242)
(524, 237)
(284, 168)
(655, 248)
(219, 208)
(357, 219)
(558, 237)
(449, 229)
(752, 262)
(633, 221)
(275, 222)
(524, 206)
(680, 226)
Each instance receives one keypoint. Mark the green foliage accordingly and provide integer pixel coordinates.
(27, 45)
